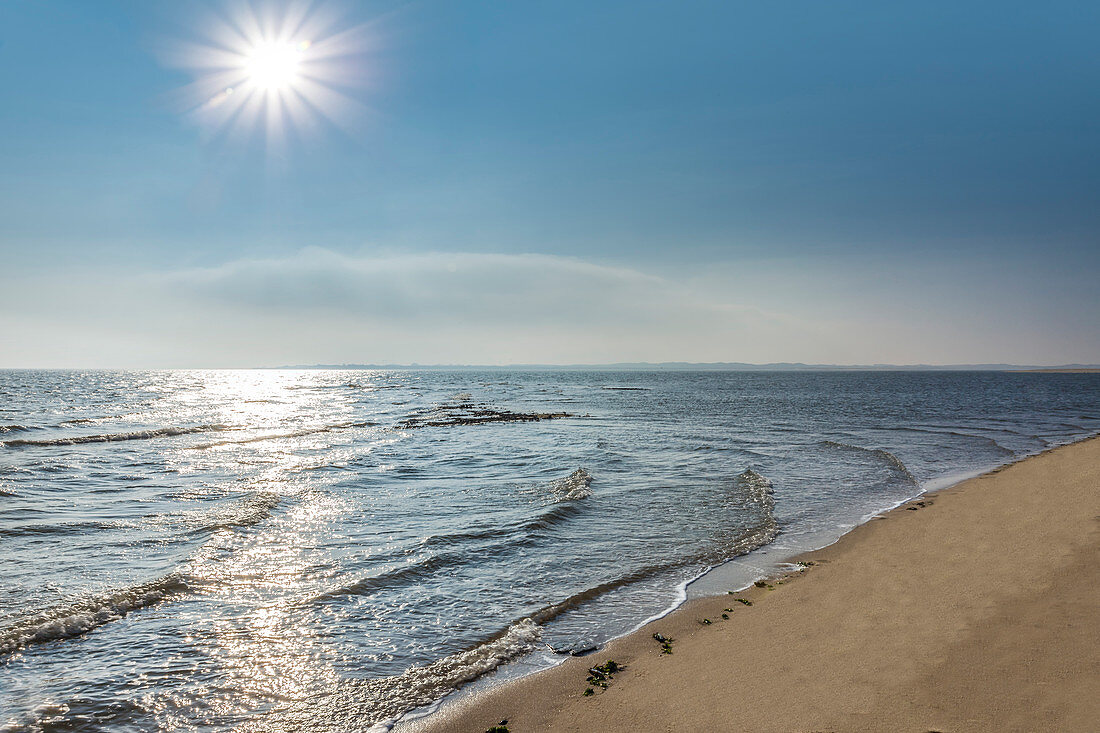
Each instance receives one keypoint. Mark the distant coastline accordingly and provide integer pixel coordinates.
(723, 366)
(1060, 370)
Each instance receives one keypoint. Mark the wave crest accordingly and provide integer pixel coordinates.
(114, 437)
(573, 487)
(886, 456)
(84, 614)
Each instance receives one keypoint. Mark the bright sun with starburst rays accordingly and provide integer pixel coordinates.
(275, 70)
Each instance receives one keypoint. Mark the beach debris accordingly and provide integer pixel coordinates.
(919, 505)
(502, 728)
(588, 691)
(746, 601)
(806, 563)
(760, 584)
(665, 642)
(725, 616)
(706, 622)
(601, 675)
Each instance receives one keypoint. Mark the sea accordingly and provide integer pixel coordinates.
(336, 550)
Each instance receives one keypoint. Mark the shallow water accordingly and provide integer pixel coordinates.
(214, 550)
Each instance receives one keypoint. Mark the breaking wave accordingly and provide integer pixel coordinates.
(14, 428)
(757, 488)
(422, 685)
(573, 487)
(356, 704)
(113, 437)
(885, 456)
(84, 614)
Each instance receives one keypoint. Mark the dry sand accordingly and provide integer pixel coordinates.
(978, 611)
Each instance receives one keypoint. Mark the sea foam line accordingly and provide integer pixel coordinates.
(84, 614)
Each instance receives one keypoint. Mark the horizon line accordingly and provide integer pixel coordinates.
(634, 365)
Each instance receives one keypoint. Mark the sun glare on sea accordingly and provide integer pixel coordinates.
(269, 70)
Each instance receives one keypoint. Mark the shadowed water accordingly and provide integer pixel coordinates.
(324, 550)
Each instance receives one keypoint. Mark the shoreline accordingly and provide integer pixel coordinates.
(651, 691)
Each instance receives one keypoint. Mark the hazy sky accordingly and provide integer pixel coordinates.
(556, 182)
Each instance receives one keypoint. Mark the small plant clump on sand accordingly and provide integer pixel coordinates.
(706, 622)
(501, 728)
(725, 616)
(806, 563)
(760, 584)
(600, 675)
(665, 642)
(746, 601)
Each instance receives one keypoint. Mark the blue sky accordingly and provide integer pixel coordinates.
(560, 182)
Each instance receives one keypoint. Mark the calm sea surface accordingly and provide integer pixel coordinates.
(324, 550)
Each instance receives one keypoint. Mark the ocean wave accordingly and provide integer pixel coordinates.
(358, 704)
(113, 437)
(15, 428)
(553, 515)
(403, 575)
(501, 541)
(245, 512)
(886, 456)
(573, 487)
(422, 685)
(744, 542)
(32, 530)
(84, 614)
(757, 488)
(754, 491)
(381, 701)
(280, 436)
(980, 438)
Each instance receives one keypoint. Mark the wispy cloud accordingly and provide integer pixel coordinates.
(319, 305)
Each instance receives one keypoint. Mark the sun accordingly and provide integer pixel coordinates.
(274, 69)
(274, 66)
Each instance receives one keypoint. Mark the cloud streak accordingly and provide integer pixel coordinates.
(322, 306)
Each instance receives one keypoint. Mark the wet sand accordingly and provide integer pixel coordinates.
(972, 609)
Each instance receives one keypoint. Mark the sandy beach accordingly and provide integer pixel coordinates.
(971, 609)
